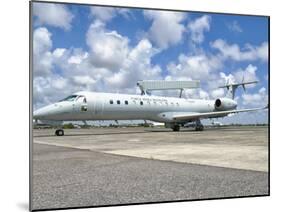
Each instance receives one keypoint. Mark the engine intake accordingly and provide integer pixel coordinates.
(218, 103)
(225, 104)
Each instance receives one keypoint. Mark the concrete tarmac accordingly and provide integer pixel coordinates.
(232, 147)
(109, 166)
(67, 177)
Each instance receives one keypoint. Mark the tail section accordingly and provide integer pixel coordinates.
(231, 87)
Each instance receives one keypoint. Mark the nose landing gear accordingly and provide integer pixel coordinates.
(59, 132)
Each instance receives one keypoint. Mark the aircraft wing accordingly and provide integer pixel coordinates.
(215, 114)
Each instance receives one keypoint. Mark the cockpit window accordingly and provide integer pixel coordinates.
(69, 98)
(81, 99)
(76, 98)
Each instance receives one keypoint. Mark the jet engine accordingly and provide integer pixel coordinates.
(225, 104)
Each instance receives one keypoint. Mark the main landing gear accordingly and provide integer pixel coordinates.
(199, 126)
(59, 132)
(176, 128)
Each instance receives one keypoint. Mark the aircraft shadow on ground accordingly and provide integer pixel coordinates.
(107, 133)
(184, 130)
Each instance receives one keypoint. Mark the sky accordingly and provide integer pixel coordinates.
(106, 49)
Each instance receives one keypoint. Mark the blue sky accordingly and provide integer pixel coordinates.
(78, 47)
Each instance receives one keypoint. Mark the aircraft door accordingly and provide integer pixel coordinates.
(99, 104)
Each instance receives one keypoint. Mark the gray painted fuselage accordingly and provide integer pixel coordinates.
(110, 106)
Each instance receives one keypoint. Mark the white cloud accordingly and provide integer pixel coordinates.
(78, 58)
(108, 48)
(248, 53)
(258, 99)
(249, 74)
(111, 65)
(50, 84)
(198, 27)
(166, 29)
(103, 13)
(59, 52)
(234, 27)
(106, 14)
(218, 93)
(49, 89)
(41, 40)
(83, 80)
(198, 66)
(227, 78)
(137, 66)
(203, 94)
(56, 15)
(142, 52)
(42, 57)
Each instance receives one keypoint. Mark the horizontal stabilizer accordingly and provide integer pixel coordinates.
(237, 84)
(231, 87)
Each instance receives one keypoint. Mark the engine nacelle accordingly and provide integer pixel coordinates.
(225, 104)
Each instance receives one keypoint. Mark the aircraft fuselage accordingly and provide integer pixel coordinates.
(110, 106)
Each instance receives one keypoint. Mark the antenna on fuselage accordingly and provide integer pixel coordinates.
(231, 87)
(146, 86)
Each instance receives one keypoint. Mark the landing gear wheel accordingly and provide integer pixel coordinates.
(199, 128)
(59, 132)
(176, 128)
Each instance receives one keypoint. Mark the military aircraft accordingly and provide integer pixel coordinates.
(174, 112)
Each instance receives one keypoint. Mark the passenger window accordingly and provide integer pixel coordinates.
(126, 102)
(111, 102)
(118, 102)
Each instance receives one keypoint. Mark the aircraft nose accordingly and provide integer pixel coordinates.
(50, 112)
(40, 113)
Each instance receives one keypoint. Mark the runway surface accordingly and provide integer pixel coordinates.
(232, 147)
(93, 167)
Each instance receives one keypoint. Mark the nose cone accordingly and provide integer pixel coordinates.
(49, 112)
(41, 113)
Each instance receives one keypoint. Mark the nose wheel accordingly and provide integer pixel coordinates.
(59, 132)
